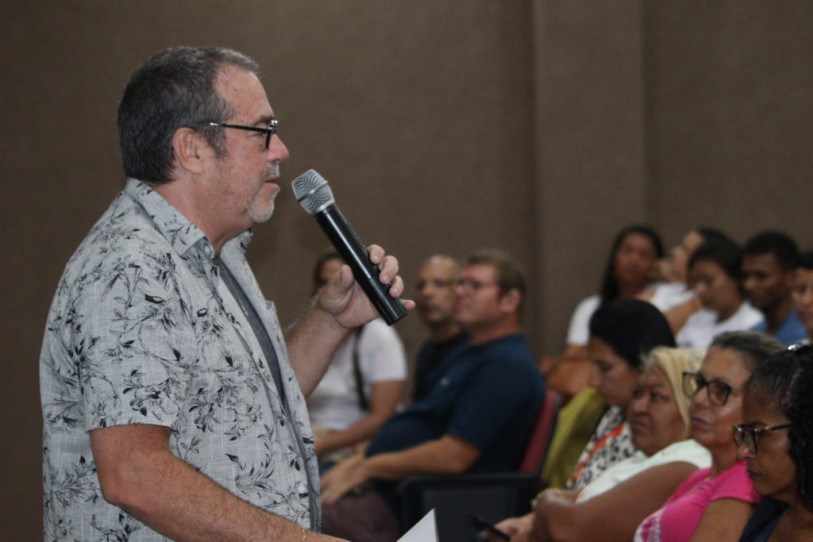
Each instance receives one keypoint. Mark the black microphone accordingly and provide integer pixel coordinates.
(313, 193)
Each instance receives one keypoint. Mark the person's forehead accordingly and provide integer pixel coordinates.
(765, 261)
(804, 275)
(439, 268)
(479, 270)
(652, 378)
(724, 363)
(244, 92)
(706, 267)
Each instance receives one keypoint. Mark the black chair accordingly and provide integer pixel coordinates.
(492, 496)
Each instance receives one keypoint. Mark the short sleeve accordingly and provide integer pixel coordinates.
(381, 353)
(734, 483)
(131, 341)
(579, 328)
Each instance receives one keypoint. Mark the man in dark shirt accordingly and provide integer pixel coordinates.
(435, 299)
(769, 261)
(476, 416)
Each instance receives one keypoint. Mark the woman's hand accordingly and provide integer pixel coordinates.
(517, 528)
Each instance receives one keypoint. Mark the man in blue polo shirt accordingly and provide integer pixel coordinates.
(769, 261)
(476, 416)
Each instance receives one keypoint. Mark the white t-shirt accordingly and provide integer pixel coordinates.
(686, 451)
(665, 295)
(702, 326)
(334, 403)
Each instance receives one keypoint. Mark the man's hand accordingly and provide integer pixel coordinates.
(338, 308)
(346, 476)
(344, 299)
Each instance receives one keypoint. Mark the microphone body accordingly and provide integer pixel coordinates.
(327, 214)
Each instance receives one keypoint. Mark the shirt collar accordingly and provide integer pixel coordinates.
(182, 234)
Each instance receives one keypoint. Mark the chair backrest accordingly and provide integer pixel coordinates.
(542, 432)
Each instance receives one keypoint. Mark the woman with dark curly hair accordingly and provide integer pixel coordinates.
(776, 439)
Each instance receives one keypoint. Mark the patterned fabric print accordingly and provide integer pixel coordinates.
(143, 330)
(603, 451)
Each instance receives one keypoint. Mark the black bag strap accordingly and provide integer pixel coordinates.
(363, 402)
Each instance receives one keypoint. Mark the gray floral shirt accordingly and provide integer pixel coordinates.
(143, 330)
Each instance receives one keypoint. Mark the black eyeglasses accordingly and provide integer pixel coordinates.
(748, 435)
(474, 285)
(271, 130)
(718, 390)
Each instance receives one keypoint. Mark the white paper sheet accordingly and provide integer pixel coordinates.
(424, 531)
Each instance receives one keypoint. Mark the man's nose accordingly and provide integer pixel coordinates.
(277, 149)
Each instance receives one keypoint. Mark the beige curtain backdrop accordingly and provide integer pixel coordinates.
(538, 126)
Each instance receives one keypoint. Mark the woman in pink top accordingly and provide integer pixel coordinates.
(715, 503)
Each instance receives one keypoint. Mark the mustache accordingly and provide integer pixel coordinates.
(271, 171)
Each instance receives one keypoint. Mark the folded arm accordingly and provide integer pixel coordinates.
(723, 520)
(384, 399)
(610, 516)
(446, 455)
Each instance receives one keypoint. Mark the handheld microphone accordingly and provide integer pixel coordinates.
(314, 194)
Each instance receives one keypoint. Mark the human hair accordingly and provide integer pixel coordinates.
(173, 89)
(724, 253)
(509, 274)
(785, 381)
(451, 261)
(673, 362)
(805, 260)
(754, 348)
(712, 234)
(609, 285)
(781, 245)
(322, 260)
(632, 328)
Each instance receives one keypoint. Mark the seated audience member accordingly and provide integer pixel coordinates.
(620, 333)
(775, 440)
(674, 269)
(715, 269)
(629, 273)
(363, 384)
(769, 261)
(576, 424)
(476, 417)
(611, 507)
(435, 299)
(802, 294)
(714, 503)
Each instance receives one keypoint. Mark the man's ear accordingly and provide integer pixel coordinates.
(510, 300)
(190, 150)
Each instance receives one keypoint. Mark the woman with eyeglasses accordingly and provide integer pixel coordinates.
(776, 441)
(610, 508)
(715, 503)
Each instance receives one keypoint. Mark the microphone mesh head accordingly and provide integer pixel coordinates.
(312, 191)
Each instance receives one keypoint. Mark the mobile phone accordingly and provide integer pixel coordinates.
(484, 525)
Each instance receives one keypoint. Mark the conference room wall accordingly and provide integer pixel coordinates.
(541, 127)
